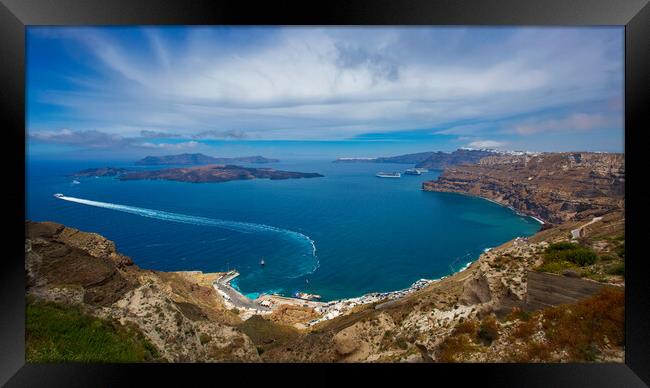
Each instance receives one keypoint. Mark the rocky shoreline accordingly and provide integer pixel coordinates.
(554, 187)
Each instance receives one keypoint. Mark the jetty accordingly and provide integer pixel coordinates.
(234, 297)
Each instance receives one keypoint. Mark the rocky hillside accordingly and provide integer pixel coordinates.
(184, 320)
(555, 187)
(485, 313)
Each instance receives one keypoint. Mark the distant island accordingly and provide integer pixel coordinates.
(215, 173)
(199, 159)
(431, 160)
(101, 171)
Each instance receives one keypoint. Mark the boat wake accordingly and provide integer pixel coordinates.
(242, 227)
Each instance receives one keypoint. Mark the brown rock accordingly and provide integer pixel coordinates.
(555, 187)
(476, 290)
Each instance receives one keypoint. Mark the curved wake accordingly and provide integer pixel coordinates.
(242, 227)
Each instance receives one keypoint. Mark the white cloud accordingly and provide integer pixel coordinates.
(170, 146)
(331, 83)
(486, 144)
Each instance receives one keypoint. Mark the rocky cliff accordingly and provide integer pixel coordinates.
(184, 320)
(555, 187)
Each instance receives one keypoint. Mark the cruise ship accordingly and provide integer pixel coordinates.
(389, 175)
(412, 171)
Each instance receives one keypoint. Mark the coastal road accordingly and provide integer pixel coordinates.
(236, 298)
(575, 233)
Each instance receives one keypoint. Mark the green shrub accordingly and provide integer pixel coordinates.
(620, 250)
(570, 252)
(618, 269)
(561, 246)
(555, 266)
(607, 257)
(59, 333)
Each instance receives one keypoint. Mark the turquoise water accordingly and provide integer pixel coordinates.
(343, 235)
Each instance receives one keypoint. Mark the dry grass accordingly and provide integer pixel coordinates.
(488, 330)
(469, 326)
(454, 348)
(581, 328)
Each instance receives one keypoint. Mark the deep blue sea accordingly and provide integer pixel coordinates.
(343, 235)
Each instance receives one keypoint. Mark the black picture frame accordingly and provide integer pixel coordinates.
(15, 15)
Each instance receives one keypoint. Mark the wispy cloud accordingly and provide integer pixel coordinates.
(90, 138)
(170, 146)
(574, 122)
(204, 83)
(229, 134)
(158, 134)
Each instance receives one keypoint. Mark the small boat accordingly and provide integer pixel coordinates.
(389, 175)
(262, 262)
(412, 171)
(422, 170)
(58, 195)
(75, 182)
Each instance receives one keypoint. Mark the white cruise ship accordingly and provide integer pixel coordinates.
(412, 171)
(389, 175)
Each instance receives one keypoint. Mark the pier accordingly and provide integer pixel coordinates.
(234, 297)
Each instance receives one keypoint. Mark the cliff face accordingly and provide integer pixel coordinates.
(184, 320)
(555, 187)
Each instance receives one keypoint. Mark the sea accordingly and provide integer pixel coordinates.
(343, 235)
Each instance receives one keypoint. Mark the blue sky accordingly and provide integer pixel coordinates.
(126, 92)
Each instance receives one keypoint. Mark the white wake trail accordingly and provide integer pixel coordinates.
(242, 227)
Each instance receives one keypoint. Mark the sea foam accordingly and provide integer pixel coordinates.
(237, 226)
